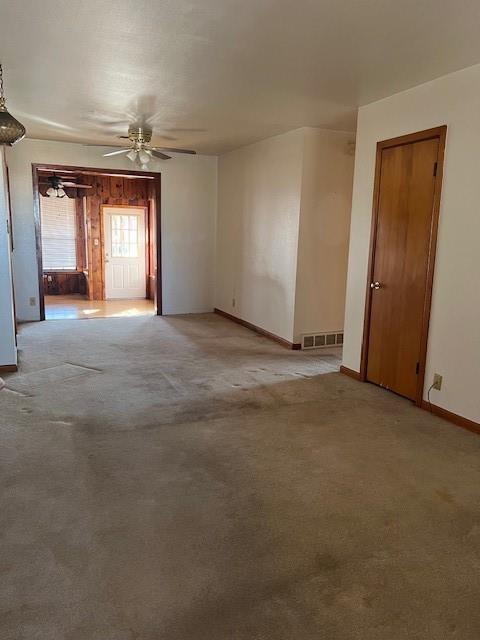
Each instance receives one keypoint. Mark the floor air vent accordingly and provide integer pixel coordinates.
(322, 340)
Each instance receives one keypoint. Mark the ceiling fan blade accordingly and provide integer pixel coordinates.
(67, 183)
(159, 154)
(174, 150)
(75, 184)
(181, 130)
(165, 137)
(100, 144)
(115, 153)
(116, 123)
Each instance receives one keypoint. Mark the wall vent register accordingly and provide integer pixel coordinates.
(322, 340)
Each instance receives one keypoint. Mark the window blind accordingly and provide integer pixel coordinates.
(58, 233)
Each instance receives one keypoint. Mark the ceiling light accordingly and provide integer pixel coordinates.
(56, 188)
(140, 153)
(11, 130)
(144, 157)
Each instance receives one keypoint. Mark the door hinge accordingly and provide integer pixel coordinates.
(417, 368)
(435, 168)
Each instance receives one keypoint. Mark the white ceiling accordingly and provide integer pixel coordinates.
(218, 74)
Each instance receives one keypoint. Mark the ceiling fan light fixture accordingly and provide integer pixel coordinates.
(11, 130)
(140, 152)
(56, 188)
(144, 157)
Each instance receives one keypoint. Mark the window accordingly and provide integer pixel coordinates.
(58, 234)
(124, 236)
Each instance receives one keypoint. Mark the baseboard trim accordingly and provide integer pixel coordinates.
(350, 373)
(8, 368)
(263, 332)
(454, 418)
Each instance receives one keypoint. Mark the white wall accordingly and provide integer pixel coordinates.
(282, 235)
(324, 231)
(189, 192)
(259, 188)
(454, 339)
(8, 350)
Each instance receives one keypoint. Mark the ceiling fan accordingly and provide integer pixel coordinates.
(140, 151)
(57, 186)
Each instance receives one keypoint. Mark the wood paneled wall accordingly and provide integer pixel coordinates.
(64, 283)
(114, 190)
(80, 231)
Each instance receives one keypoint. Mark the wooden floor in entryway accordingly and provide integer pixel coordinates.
(77, 307)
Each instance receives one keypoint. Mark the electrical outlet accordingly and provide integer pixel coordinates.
(33, 301)
(437, 381)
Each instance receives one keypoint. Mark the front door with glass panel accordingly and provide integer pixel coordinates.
(125, 266)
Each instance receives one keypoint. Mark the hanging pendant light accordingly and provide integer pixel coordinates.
(11, 130)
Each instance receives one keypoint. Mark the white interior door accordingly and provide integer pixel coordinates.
(125, 263)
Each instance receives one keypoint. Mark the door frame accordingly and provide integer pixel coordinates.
(428, 134)
(102, 235)
(60, 168)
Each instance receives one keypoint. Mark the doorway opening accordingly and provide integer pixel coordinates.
(406, 204)
(98, 238)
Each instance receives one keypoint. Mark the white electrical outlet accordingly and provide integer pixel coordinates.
(437, 381)
(33, 301)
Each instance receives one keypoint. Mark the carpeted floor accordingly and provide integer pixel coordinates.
(184, 479)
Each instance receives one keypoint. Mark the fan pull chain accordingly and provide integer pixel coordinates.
(2, 94)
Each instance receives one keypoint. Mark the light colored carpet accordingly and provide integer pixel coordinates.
(183, 478)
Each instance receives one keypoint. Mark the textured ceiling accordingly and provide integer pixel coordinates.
(217, 74)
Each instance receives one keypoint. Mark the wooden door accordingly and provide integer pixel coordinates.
(402, 263)
(125, 256)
